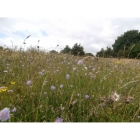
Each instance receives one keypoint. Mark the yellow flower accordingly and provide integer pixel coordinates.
(13, 83)
(118, 62)
(3, 89)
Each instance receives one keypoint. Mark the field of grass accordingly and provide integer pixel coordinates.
(41, 87)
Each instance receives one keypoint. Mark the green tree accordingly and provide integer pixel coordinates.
(77, 49)
(53, 51)
(67, 49)
(108, 52)
(101, 53)
(125, 41)
(89, 54)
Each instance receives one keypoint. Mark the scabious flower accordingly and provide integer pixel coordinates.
(52, 87)
(61, 86)
(80, 62)
(4, 114)
(59, 120)
(29, 82)
(86, 96)
(10, 91)
(67, 76)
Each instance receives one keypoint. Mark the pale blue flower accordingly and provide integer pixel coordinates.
(80, 62)
(86, 96)
(59, 120)
(5, 114)
(67, 76)
(29, 82)
(52, 87)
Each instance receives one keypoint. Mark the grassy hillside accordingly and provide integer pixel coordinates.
(45, 87)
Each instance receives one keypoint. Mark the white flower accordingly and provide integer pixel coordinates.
(74, 69)
(29, 82)
(67, 76)
(74, 102)
(10, 91)
(52, 87)
(80, 62)
(86, 68)
(5, 71)
(5, 114)
(41, 73)
(114, 97)
(14, 109)
(61, 86)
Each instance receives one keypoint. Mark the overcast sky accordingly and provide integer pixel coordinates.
(92, 32)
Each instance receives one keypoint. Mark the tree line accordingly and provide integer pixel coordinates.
(125, 46)
(77, 49)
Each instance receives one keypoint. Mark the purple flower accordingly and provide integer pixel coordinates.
(29, 82)
(80, 62)
(52, 87)
(59, 120)
(5, 114)
(86, 96)
(67, 76)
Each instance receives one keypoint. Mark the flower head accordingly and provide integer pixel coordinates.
(5, 114)
(3, 89)
(129, 99)
(67, 76)
(86, 96)
(52, 87)
(80, 62)
(29, 82)
(61, 86)
(59, 120)
(13, 83)
(114, 97)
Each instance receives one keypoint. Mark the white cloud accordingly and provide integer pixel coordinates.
(92, 33)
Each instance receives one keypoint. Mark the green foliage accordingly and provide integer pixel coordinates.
(101, 53)
(53, 51)
(67, 49)
(123, 43)
(77, 49)
(89, 54)
(108, 52)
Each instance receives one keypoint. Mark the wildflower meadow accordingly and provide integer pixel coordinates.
(38, 86)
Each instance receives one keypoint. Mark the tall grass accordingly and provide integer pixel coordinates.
(35, 83)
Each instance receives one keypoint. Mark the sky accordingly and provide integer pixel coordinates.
(74, 23)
